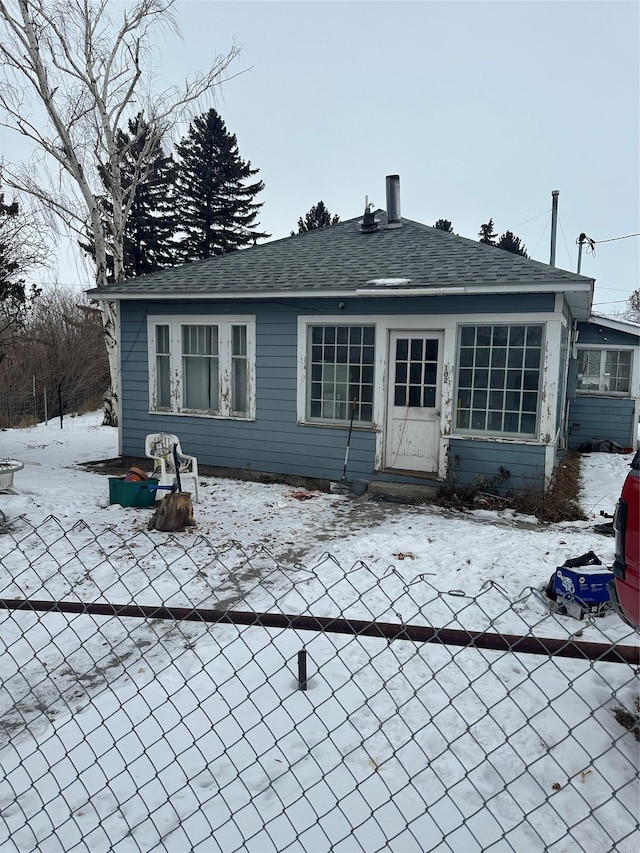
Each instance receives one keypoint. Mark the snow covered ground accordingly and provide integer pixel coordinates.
(126, 735)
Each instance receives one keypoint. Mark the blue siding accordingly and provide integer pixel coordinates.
(473, 459)
(274, 443)
(593, 417)
(592, 333)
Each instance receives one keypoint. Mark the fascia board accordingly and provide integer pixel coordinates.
(360, 292)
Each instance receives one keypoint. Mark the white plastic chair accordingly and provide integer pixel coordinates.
(159, 447)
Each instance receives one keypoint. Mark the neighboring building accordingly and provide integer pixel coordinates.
(456, 354)
(604, 397)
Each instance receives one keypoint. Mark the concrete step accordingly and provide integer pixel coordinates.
(401, 491)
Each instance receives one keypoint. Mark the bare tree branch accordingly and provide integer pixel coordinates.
(71, 77)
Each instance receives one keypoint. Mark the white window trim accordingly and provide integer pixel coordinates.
(545, 374)
(588, 392)
(379, 365)
(448, 324)
(224, 323)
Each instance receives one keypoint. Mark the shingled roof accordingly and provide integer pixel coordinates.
(343, 259)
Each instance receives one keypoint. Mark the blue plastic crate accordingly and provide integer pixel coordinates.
(584, 584)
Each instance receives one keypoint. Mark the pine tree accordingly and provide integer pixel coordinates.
(11, 285)
(151, 226)
(215, 205)
(151, 223)
(317, 217)
(510, 243)
(22, 247)
(444, 225)
(487, 234)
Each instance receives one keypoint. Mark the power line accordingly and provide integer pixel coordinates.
(611, 239)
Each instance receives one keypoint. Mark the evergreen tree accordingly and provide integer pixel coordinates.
(214, 202)
(444, 225)
(11, 285)
(317, 217)
(22, 247)
(151, 223)
(487, 234)
(510, 243)
(149, 243)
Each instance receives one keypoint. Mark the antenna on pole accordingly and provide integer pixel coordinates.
(582, 239)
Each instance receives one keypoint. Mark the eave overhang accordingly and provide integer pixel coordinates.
(577, 294)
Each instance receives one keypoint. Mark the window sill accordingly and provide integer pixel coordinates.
(502, 439)
(340, 426)
(208, 415)
(616, 395)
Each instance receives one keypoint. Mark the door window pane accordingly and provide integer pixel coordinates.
(416, 372)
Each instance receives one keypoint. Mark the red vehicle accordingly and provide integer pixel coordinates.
(624, 590)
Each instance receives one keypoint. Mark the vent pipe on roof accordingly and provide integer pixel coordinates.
(369, 223)
(554, 224)
(393, 201)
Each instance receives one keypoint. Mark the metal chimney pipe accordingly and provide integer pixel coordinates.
(554, 224)
(393, 200)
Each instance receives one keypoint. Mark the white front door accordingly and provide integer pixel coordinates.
(412, 435)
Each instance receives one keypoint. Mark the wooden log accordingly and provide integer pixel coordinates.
(174, 513)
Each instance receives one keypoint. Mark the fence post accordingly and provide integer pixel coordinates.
(302, 670)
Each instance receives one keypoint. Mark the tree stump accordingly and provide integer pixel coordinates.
(174, 513)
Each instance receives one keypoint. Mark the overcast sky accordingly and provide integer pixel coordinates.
(482, 108)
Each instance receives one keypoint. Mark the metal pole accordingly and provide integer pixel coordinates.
(554, 225)
(302, 670)
(549, 646)
(46, 414)
(581, 240)
(60, 402)
(35, 402)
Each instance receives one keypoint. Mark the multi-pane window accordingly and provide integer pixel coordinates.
(416, 372)
(498, 379)
(604, 371)
(341, 362)
(202, 367)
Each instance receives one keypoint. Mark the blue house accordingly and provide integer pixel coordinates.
(447, 355)
(604, 396)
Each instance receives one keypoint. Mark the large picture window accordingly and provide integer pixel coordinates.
(498, 379)
(604, 371)
(341, 367)
(202, 367)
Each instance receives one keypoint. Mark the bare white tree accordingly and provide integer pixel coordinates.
(633, 307)
(73, 72)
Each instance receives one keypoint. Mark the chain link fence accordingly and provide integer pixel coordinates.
(177, 693)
